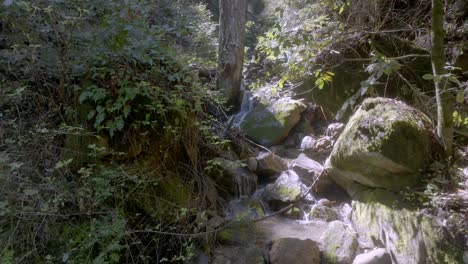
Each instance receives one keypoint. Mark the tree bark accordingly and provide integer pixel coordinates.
(443, 97)
(231, 48)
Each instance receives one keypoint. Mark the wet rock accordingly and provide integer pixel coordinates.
(334, 130)
(382, 220)
(286, 189)
(293, 250)
(376, 256)
(307, 168)
(252, 164)
(385, 144)
(270, 164)
(308, 143)
(339, 243)
(270, 124)
(237, 255)
(323, 212)
(233, 178)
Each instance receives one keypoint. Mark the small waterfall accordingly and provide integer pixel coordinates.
(244, 185)
(247, 106)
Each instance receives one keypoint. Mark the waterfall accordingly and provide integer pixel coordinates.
(247, 106)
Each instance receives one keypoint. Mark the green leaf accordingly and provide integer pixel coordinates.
(428, 76)
(460, 98)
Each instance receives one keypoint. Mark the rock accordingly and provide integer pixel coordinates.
(286, 189)
(293, 250)
(232, 178)
(376, 256)
(237, 255)
(245, 207)
(334, 130)
(385, 144)
(307, 143)
(382, 220)
(252, 164)
(339, 243)
(270, 164)
(323, 212)
(238, 233)
(307, 168)
(270, 124)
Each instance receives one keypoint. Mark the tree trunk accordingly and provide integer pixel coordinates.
(443, 97)
(231, 48)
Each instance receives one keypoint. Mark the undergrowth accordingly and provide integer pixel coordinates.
(103, 131)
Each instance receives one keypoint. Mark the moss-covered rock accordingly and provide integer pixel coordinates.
(270, 124)
(339, 243)
(286, 189)
(386, 143)
(240, 233)
(382, 220)
(323, 212)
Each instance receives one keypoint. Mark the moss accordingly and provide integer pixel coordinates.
(269, 124)
(240, 233)
(392, 140)
(382, 218)
(291, 193)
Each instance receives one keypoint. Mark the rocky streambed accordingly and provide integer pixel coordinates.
(340, 189)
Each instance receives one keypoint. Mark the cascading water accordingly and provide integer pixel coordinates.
(247, 106)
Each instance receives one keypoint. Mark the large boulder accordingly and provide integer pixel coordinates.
(232, 178)
(270, 124)
(385, 144)
(382, 220)
(238, 233)
(339, 243)
(294, 250)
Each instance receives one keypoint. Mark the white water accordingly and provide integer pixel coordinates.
(247, 106)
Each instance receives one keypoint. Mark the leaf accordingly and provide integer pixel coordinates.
(85, 95)
(460, 98)
(454, 80)
(428, 76)
(281, 82)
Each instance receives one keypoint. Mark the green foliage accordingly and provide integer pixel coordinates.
(379, 66)
(124, 70)
(304, 29)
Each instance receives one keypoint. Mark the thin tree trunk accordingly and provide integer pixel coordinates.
(231, 48)
(443, 97)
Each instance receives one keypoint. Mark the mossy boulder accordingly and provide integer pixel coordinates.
(381, 219)
(339, 243)
(270, 124)
(386, 144)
